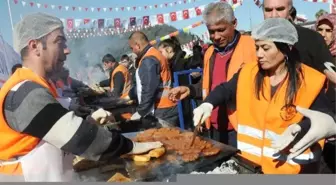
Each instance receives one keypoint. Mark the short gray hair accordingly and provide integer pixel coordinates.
(219, 11)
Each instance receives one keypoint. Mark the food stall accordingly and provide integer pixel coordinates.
(179, 154)
(178, 158)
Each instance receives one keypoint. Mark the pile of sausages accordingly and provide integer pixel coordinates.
(174, 140)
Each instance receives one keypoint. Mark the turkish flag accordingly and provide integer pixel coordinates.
(234, 1)
(160, 18)
(185, 14)
(132, 21)
(173, 16)
(333, 8)
(145, 20)
(70, 23)
(101, 23)
(117, 23)
(86, 21)
(198, 11)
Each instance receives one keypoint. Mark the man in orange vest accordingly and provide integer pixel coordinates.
(229, 52)
(120, 80)
(39, 136)
(153, 81)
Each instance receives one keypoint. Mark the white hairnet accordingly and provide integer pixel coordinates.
(34, 26)
(276, 30)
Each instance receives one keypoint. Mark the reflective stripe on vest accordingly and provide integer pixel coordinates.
(127, 78)
(260, 121)
(244, 52)
(162, 100)
(304, 158)
(17, 144)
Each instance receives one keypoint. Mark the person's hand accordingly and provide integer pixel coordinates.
(136, 116)
(201, 113)
(331, 76)
(195, 74)
(102, 116)
(178, 93)
(139, 148)
(322, 126)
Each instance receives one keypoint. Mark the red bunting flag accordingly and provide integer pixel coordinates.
(160, 19)
(86, 21)
(198, 11)
(185, 14)
(45, 6)
(31, 4)
(117, 23)
(70, 23)
(60, 7)
(111, 9)
(173, 16)
(73, 8)
(145, 20)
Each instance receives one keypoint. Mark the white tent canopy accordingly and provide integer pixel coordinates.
(8, 58)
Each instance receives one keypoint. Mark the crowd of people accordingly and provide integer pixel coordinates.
(271, 94)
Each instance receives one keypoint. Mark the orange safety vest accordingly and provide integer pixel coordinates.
(127, 85)
(162, 100)
(15, 144)
(244, 52)
(262, 121)
(60, 84)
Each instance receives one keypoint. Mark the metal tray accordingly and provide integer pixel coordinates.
(162, 169)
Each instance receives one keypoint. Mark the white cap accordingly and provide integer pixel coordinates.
(276, 30)
(34, 26)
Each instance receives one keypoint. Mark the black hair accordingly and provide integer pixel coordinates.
(123, 57)
(292, 12)
(108, 58)
(294, 73)
(173, 42)
(140, 34)
(15, 67)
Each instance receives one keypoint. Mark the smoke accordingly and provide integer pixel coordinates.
(85, 60)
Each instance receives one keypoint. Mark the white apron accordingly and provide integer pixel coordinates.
(45, 163)
(139, 89)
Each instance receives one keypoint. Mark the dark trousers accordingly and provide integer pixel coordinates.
(327, 165)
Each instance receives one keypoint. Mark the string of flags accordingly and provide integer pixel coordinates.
(37, 4)
(332, 4)
(83, 28)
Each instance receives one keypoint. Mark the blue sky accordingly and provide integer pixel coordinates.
(242, 13)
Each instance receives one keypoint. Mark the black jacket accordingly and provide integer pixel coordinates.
(313, 49)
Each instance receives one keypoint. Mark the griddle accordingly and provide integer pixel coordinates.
(160, 170)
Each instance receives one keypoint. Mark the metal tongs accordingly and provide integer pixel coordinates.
(195, 133)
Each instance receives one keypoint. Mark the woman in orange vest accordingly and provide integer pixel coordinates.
(266, 94)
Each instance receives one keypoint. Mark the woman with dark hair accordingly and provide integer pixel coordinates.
(171, 49)
(326, 26)
(265, 95)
